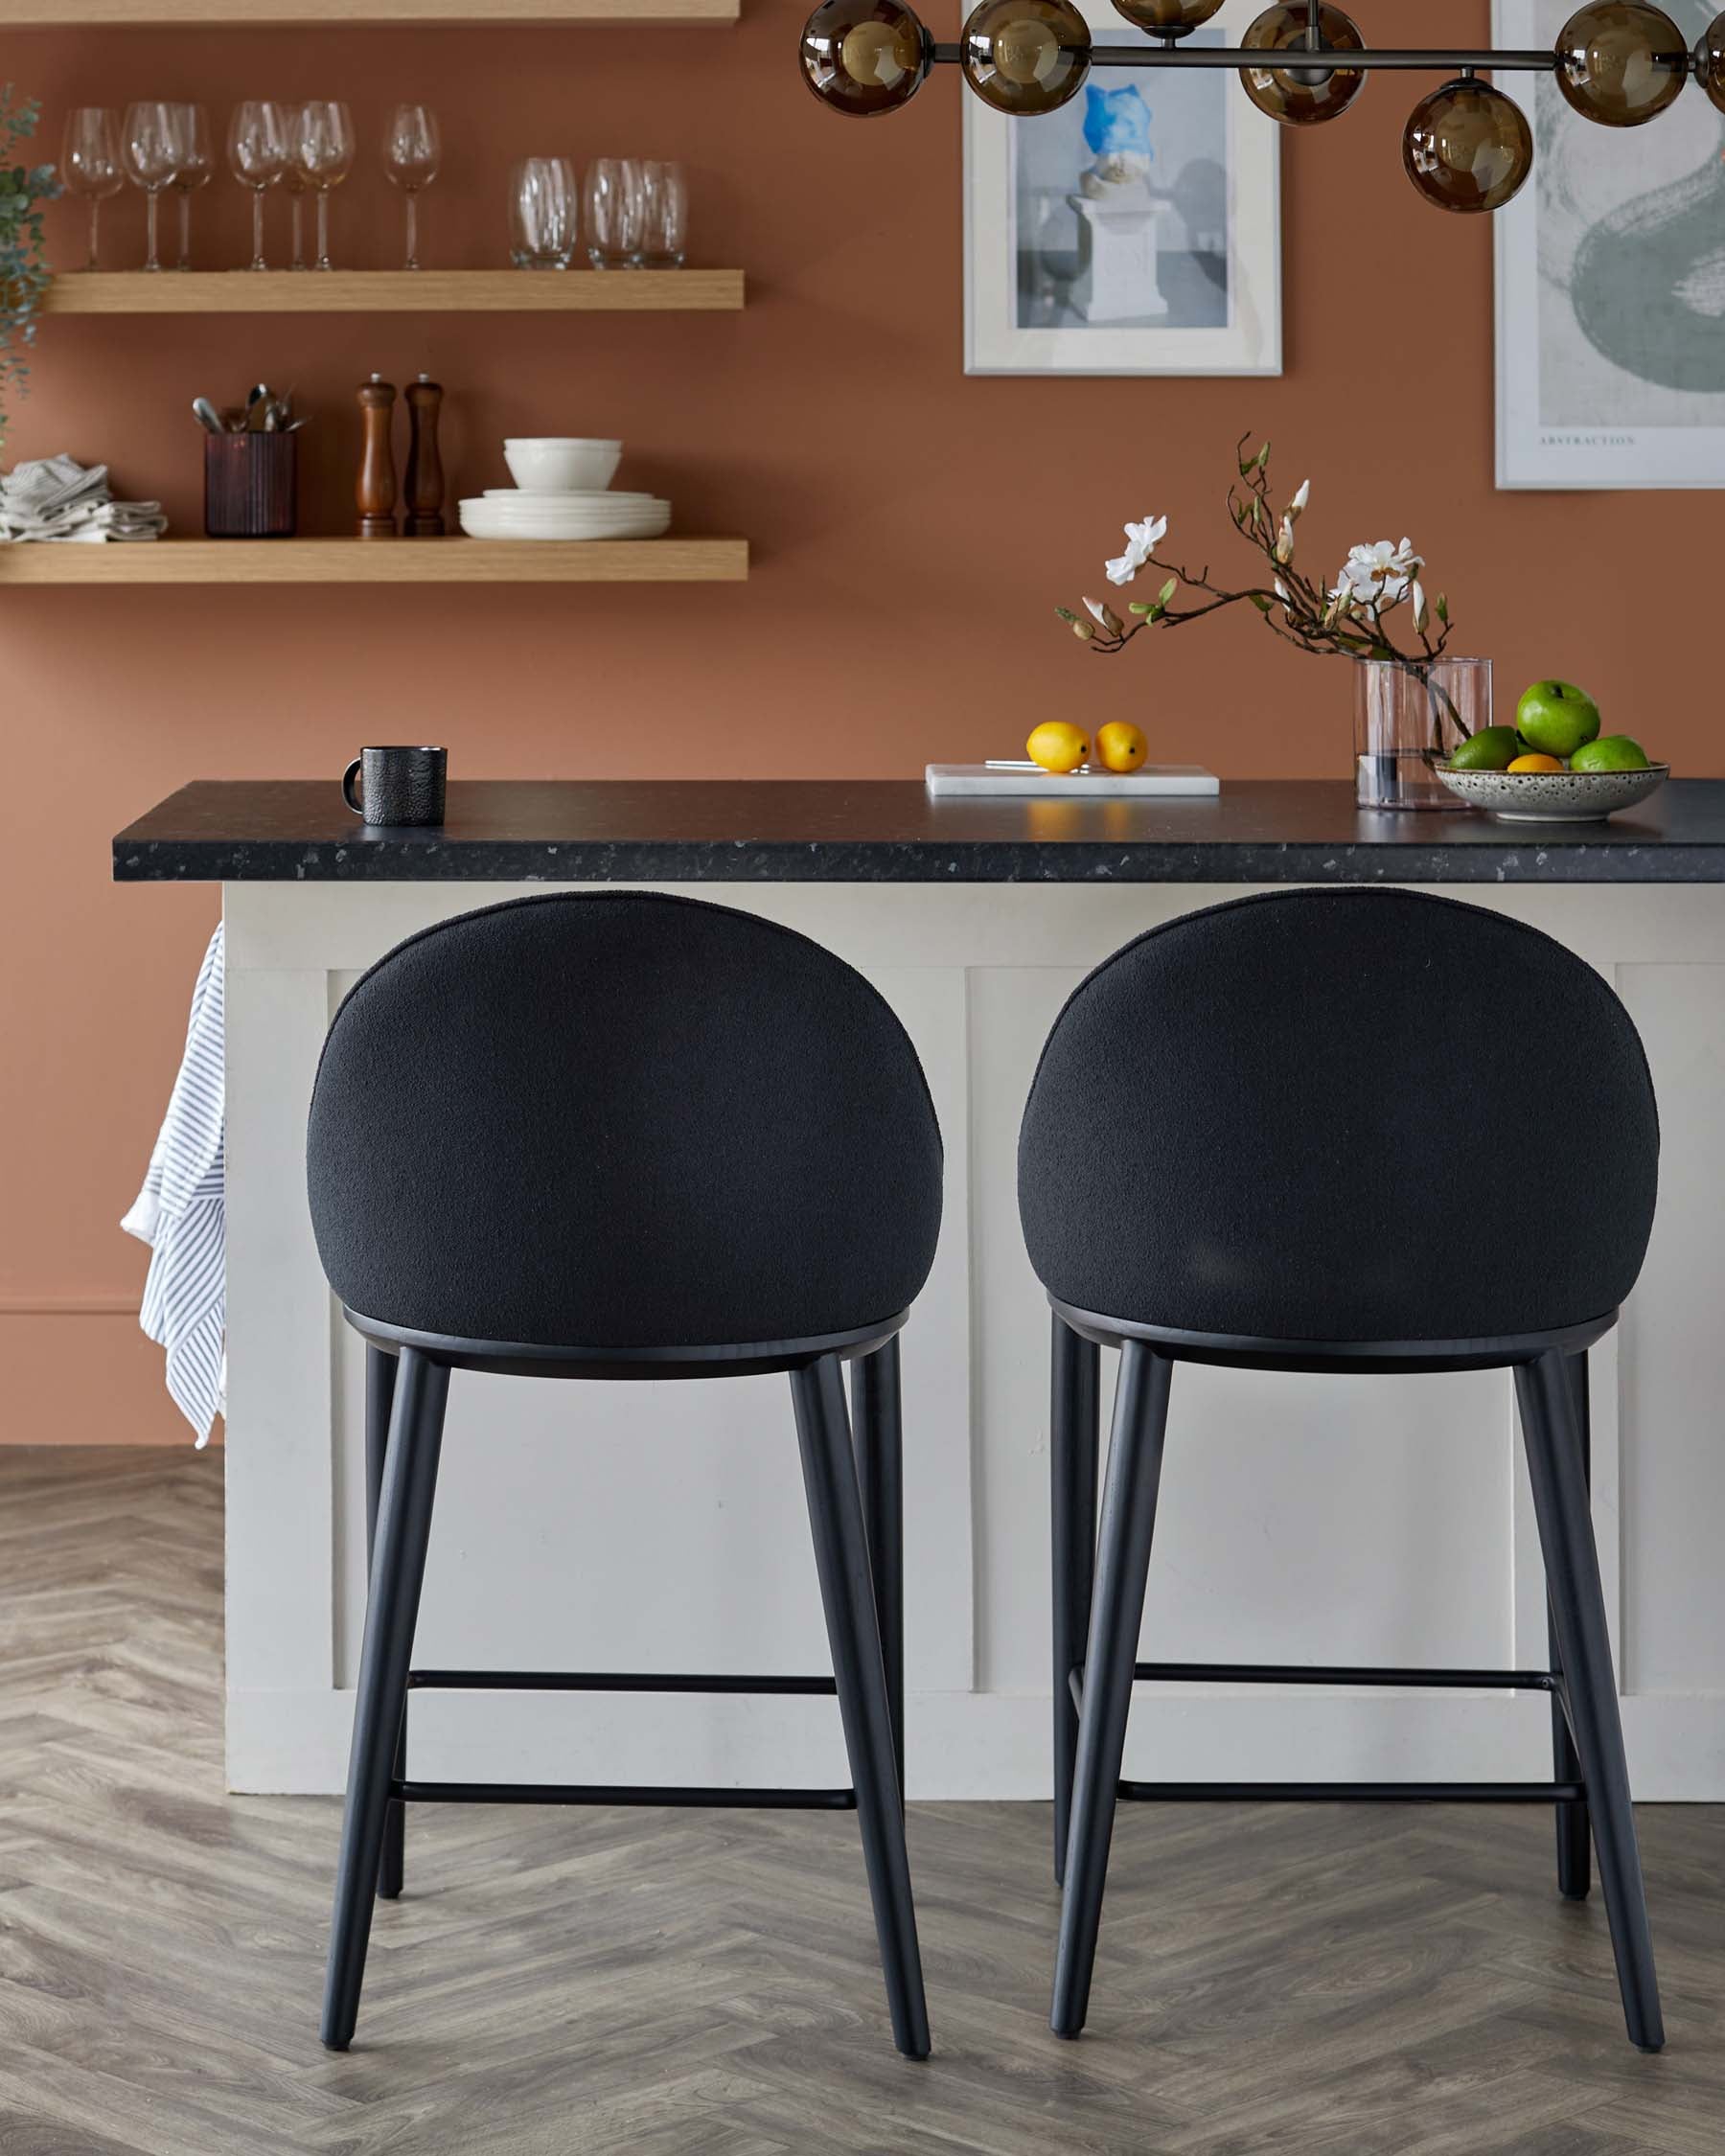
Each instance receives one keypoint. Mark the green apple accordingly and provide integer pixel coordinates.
(1491, 749)
(1611, 752)
(1556, 717)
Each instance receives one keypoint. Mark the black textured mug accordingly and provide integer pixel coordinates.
(397, 786)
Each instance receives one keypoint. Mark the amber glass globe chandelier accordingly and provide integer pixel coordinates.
(1467, 146)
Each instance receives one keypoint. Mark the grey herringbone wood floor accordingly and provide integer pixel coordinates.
(1287, 1978)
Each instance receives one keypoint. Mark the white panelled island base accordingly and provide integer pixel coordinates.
(1303, 1519)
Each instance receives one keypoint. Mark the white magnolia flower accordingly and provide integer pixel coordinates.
(1378, 575)
(1142, 542)
(1104, 617)
(1284, 541)
(1420, 615)
(1301, 496)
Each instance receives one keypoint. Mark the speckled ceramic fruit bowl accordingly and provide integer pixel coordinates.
(1554, 796)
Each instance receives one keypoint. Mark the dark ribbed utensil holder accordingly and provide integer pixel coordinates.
(250, 486)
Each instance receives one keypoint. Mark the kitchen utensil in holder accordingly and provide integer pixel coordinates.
(250, 486)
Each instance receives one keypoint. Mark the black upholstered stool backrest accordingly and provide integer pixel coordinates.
(1341, 1116)
(621, 1120)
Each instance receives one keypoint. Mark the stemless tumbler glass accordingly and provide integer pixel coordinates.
(412, 150)
(542, 217)
(194, 167)
(146, 149)
(613, 212)
(664, 216)
(90, 161)
(258, 158)
(324, 152)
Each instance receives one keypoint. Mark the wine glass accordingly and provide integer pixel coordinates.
(257, 156)
(324, 152)
(542, 215)
(90, 161)
(148, 150)
(194, 167)
(412, 149)
(664, 216)
(613, 212)
(294, 181)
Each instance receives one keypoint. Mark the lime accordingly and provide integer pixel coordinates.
(1556, 717)
(1489, 750)
(1611, 752)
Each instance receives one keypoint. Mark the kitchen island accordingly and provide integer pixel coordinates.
(1335, 1519)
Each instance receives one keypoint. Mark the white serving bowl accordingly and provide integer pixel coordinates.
(561, 463)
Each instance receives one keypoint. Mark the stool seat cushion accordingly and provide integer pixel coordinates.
(1353, 1115)
(621, 1120)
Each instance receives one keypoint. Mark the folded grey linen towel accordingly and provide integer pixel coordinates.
(58, 498)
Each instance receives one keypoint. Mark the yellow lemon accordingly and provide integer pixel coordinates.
(1121, 747)
(1534, 763)
(1057, 747)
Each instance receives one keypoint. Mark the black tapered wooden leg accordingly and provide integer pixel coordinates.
(841, 1558)
(380, 1400)
(1122, 1566)
(1574, 1849)
(398, 1571)
(877, 1426)
(1072, 1512)
(1544, 1391)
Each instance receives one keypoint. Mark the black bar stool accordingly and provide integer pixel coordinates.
(620, 1136)
(1330, 1096)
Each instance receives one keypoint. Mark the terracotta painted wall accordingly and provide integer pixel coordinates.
(911, 531)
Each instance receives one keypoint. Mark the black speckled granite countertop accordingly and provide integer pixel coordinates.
(837, 831)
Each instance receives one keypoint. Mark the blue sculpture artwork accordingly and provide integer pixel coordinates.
(1117, 123)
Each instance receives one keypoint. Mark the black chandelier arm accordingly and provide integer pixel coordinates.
(1302, 56)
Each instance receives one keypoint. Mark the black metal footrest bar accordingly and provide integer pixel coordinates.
(1342, 1792)
(618, 1793)
(1345, 1673)
(1353, 1791)
(612, 1681)
(622, 1793)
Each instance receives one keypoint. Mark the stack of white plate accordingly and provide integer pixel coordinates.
(510, 513)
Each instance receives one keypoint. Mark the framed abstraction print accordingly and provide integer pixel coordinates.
(1611, 285)
(1134, 231)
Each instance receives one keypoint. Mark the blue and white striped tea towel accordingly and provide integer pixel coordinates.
(179, 1213)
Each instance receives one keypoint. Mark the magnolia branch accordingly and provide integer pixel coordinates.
(1342, 619)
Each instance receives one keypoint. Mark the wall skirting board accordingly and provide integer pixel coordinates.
(1320, 1520)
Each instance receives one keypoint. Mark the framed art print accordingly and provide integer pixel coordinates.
(1611, 285)
(1134, 231)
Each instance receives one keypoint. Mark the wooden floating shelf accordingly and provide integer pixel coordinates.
(38, 14)
(396, 291)
(358, 561)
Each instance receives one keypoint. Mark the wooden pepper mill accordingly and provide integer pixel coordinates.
(425, 465)
(376, 490)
